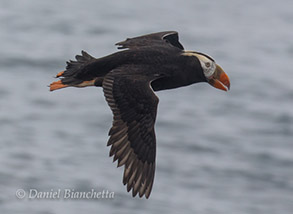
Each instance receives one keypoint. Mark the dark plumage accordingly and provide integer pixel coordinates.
(150, 62)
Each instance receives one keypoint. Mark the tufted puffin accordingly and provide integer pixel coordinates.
(129, 78)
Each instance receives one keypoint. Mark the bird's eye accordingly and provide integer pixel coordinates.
(208, 64)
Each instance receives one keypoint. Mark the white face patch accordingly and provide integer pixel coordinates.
(208, 65)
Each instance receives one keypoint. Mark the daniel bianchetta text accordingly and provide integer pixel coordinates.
(64, 194)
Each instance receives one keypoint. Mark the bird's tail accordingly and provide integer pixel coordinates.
(75, 74)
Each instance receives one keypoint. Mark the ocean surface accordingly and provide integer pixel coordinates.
(217, 152)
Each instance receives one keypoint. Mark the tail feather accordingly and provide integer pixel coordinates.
(75, 73)
(73, 67)
(84, 71)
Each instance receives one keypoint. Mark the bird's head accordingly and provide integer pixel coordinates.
(213, 73)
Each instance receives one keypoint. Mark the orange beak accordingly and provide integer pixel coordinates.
(220, 79)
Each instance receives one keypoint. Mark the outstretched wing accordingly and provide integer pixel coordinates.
(167, 38)
(132, 136)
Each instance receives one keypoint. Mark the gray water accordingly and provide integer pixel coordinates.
(217, 152)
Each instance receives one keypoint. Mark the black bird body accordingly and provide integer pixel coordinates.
(129, 78)
(166, 64)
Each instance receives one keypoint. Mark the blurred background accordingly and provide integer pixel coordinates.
(217, 152)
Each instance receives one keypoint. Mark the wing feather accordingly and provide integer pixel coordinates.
(166, 38)
(132, 136)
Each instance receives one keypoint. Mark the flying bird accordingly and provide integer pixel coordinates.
(129, 78)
